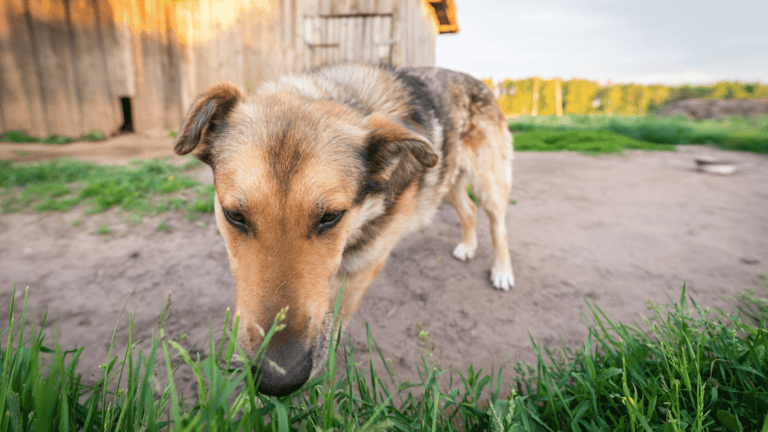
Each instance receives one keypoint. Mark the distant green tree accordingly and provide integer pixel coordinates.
(729, 90)
(659, 95)
(760, 90)
(631, 100)
(689, 92)
(578, 96)
(612, 101)
(582, 96)
(518, 98)
(547, 97)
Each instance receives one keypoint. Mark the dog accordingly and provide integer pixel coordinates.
(317, 176)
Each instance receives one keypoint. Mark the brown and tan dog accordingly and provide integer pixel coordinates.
(317, 177)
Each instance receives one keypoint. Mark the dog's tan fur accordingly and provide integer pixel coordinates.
(381, 146)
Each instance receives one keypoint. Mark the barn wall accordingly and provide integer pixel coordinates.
(65, 65)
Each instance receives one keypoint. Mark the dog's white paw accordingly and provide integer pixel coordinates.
(502, 279)
(464, 252)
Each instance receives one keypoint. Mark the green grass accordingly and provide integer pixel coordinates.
(732, 133)
(692, 370)
(146, 187)
(588, 142)
(19, 136)
(103, 229)
(163, 226)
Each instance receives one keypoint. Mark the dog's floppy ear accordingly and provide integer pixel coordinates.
(387, 138)
(205, 116)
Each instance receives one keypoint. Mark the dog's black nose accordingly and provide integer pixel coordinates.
(294, 364)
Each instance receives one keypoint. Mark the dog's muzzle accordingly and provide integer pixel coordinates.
(284, 368)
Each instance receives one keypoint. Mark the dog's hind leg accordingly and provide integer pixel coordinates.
(458, 199)
(491, 181)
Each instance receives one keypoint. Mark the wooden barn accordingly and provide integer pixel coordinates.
(68, 67)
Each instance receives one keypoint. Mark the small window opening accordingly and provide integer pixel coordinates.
(127, 115)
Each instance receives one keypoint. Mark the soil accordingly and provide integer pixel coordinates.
(700, 108)
(616, 230)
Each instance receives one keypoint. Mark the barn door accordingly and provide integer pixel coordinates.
(348, 38)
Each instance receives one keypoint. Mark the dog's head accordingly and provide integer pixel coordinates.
(295, 180)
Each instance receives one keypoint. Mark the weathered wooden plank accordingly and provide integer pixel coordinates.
(308, 42)
(114, 21)
(367, 6)
(368, 50)
(385, 6)
(94, 94)
(304, 10)
(55, 62)
(326, 7)
(172, 69)
(149, 102)
(357, 35)
(288, 10)
(8, 69)
(332, 50)
(184, 31)
(115, 58)
(205, 56)
(261, 35)
(387, 49)
(247, 40)
(397, 35)
(318, 37)
(20, 93)
(228, 46)
(345, 40)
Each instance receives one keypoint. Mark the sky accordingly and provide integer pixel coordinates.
(670, 42)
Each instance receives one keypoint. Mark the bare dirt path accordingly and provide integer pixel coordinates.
(615, 229)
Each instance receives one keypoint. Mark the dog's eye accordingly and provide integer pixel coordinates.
(328, 221)
(237, 220)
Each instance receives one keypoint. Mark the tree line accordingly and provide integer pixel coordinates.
(537, 96)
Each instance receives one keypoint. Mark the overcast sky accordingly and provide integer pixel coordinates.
(650, 41)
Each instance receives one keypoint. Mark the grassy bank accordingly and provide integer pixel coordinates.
(145, 187)
(586, 142)
(693, 370)
(18, 136)
(733, 133)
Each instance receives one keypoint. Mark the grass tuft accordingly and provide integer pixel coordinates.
(147, 187)
(691, 370)
(103, 229)
(731, 133)
(19, 136)
(587, 142)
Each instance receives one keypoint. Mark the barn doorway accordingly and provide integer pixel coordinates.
(127, 126)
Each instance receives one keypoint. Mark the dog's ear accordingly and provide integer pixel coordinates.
(204, 117)
(387, 138)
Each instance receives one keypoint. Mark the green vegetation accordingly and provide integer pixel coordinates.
(580, 96)
(733, 133)
(22, 137)
(691, 370)
(588, 142)
(103, 229)
(145, 187)
(163, 226)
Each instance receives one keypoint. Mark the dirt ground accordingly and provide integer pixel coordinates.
(614, 229)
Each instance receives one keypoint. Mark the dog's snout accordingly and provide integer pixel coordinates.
(284, 368)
